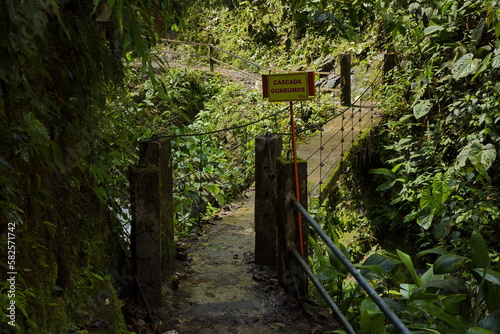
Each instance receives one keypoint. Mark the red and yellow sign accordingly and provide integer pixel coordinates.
(288, 87)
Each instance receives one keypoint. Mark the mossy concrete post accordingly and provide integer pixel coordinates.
(290, 274)
(152, 237)
(267, 150)
(158, 152)
(345, 75)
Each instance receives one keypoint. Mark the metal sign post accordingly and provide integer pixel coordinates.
(291, 87)
(296, 177)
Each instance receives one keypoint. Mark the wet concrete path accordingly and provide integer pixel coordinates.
(221, 290)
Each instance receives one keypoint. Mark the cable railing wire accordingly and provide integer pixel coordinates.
(359, 100)
(196, 207)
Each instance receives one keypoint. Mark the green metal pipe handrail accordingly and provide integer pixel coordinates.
(322, 291)
(354, 272)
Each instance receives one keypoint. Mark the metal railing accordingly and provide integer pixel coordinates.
(354, 272)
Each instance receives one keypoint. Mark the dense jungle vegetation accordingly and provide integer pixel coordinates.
(420, 215)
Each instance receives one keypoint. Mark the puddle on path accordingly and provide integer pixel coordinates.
(221, 290)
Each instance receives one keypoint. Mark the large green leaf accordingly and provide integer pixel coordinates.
(405, 258)
(453, 285)
(323, 262)
(432, 29)
(455, 303)
(441, 187)
(465, 66)
(496, 58)
(492, 296)
(430, 276)
(479, 250)
(385, 185)
(372, 319)
(477, 330)
(422, 108)
(431, 309)
(491, 322)
(447, 263)
(477, 32)
(481, 156)
(428, 200)
(326, 273)
(483, 66)
(425, 217)
(438, 251)
(379, 264)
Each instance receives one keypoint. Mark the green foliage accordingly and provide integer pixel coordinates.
(64, 152)
(439, 142)
(456, 294)
(266, 33)
(173, 99)
(65, 135)
(212, 148)
(333, 18)
(433, 173)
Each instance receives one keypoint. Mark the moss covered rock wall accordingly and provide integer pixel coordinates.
(62, 161)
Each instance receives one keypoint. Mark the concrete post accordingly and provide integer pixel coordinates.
(290, 274)
(152, 237)
(345, 74)
(158, 152)
(145, 237)
(267, 150)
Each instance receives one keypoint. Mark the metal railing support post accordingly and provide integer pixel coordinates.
(290, 275)
(267, 150)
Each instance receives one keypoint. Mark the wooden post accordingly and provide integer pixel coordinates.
(389, 64)
(345, 74)
(290, 275)
(267, 150)
(210, 57)
(152, 237)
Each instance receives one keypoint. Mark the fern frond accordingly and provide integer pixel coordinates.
(35, 129)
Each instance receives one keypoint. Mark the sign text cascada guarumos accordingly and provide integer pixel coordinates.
(297, 86)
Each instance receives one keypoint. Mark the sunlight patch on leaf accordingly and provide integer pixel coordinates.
(496, 58)
(432, 29)
(422, 108)
(481, 156)
(465, 66)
